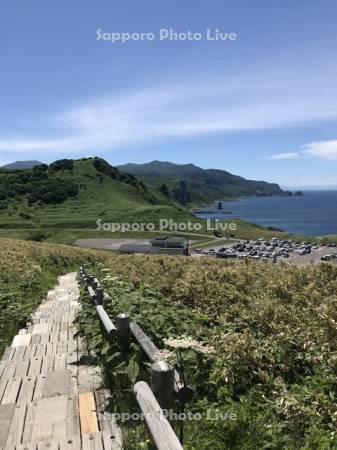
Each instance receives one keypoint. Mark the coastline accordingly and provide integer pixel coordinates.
(311, 214)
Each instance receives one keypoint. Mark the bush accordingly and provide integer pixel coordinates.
(62, 164)
(273, 329)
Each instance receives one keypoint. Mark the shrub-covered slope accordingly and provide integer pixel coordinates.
(70, 193)
(273, 329)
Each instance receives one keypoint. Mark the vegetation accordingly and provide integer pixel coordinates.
(273, 331)
(63, 201)
(74, 194)
(191, 185)
(27, 271)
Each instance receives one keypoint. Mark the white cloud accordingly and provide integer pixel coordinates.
(285, 156)
(321, 149)
(246, 102)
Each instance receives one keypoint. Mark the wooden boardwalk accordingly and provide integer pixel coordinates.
(50, 398)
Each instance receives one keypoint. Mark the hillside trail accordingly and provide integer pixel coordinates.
(51, 398)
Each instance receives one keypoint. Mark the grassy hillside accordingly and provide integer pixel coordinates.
(269, 331)
(189, 184)
(271, 340)
(27, 271)
(62, 202)
(74, 194)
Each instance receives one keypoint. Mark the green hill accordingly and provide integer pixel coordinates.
(21, 165)
(74, 194)
(192, 185)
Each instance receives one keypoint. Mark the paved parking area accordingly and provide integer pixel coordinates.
(108, 243)
(312, 258)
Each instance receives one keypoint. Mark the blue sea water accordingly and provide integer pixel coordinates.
(313, 214)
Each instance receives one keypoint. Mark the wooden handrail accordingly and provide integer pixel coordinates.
(106, 321)
(161, 431)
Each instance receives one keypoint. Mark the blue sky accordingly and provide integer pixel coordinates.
(263, 106)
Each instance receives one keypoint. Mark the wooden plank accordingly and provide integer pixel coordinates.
(61, 347)
(57, 383)
(54, 336)
(22, 368)
(49, 444)
(51, 348)
(30, 351)
(9, 371)
(161, 431)
(47, 364)
(35, 366)
(106, 423)
(26, 390)
(3, 385)
(89, 378)
(36, 338)
(44, 338)
(29, 446)
(12, 391)
(70, 443)
(40, 350)
(39, 385)
(111, 442)
(19, 352)
(29, 421)
(88, 418)
(50, 419)
(21, 339)
(6, 354)
(40, 328)
(73, 416)
(16, 427)
(2, 367)
(63, 337)
(92, 441)
(60, 362)
(6, 415)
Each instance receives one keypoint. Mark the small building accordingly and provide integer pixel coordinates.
(169, 245)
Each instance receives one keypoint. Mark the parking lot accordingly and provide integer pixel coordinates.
(274, 250)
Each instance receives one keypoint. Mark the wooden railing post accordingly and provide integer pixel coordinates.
(162, 383)
(99, 295)
(123, 328)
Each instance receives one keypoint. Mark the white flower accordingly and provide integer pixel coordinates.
(188, 343)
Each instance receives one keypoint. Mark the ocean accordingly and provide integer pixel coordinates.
(313, 214)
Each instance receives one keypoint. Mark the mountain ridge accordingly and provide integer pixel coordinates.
(21, 165)
(193, 185)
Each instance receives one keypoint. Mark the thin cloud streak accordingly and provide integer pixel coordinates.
(285, 156)
(180, 111)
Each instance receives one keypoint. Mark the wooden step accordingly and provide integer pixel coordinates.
(92, 441)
